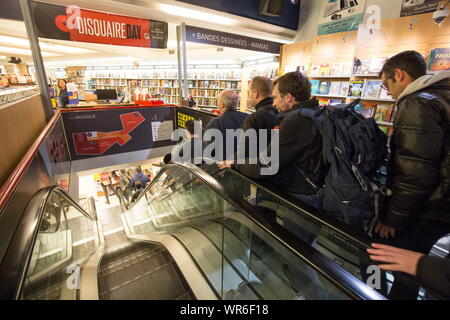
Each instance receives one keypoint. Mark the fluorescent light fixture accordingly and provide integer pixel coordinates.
(25, 52)
(44, 45)
(64, 49)
(194, 14)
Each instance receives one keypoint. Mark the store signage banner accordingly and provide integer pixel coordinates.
(223, 39)
(75, 24)
(106, 132)
(413, 7)
(340, 16)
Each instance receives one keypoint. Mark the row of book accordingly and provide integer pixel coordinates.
(347, 69)
(367, 89)
(331, 70)
(225, 75)
(381, 113)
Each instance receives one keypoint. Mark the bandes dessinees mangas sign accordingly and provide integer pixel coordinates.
(75, 24)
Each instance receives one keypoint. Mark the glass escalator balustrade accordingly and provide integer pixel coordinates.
(65, 240)
(346, 252)
(238, 258)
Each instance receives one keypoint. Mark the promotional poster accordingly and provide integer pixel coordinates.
(340, 16)
(75, 24)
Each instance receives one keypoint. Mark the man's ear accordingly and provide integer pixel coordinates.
(399, 75)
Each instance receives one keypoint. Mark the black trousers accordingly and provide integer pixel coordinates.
(420, 236)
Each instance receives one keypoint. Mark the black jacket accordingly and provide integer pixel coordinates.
(264, 118)
(230, 119)
(434, 273)
(300, 146)
(419, 170)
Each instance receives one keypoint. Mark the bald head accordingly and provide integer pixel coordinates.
(228, 100)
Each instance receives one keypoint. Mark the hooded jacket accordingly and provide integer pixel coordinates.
(419, 169)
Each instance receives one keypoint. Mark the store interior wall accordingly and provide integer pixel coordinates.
(311, 9)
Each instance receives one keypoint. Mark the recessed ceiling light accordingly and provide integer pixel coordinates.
(195, 14)
(44, 45)
(25, 52)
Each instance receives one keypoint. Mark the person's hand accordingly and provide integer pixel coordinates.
(397, 259)
(384, 231)
(226, 164)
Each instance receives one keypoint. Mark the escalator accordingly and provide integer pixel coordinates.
(185, 237)
(343, 244)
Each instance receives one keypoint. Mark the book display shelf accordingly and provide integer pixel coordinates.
(203, 86)
(345, 66)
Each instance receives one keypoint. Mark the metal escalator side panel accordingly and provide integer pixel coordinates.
(188, 268)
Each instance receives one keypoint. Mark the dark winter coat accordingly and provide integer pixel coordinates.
(419, 170)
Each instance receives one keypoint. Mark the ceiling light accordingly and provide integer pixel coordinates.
(25, 52)
(44, 45)
(195, 14)
(64, 49)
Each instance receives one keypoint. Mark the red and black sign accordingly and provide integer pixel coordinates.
(75, 24)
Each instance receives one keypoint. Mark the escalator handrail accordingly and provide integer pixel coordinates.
(14, 267)
(311, 213)
(343, 279)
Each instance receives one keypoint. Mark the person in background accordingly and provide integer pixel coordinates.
(266, 116)
(105, 181)
(148, 174)
(430, 271)
(191, 101)
(137, 192)
(125, 181)
(139, 176)
(230, 119)
(62, 93)
(418, 212)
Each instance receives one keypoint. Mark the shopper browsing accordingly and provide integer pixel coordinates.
(230, 119)
(418, 213)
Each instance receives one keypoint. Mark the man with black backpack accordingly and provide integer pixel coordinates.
(300, 143)
(418, 213)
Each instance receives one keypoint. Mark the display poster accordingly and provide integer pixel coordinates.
(185, 114)
(99, 133)
(439, 59)
(74, 24)
(340, 16)
(413, 7)
(217, 38)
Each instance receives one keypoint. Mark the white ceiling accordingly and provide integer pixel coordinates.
(120, 55)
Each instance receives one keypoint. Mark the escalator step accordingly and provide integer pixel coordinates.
(159, 283)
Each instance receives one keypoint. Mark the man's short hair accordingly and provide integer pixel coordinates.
(411, 62)
(230, 99)
(263, 85)
(296, 84)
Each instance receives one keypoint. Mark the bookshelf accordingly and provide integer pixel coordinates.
(204, 87)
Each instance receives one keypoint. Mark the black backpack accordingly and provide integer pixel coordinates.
(353, 150)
